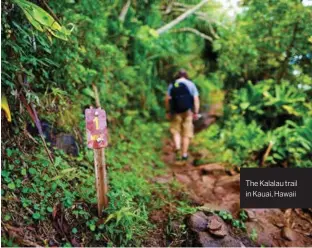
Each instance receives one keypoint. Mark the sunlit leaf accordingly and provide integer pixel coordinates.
(42, 20)
(5, 107)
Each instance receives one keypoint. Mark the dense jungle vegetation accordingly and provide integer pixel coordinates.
(258, 64)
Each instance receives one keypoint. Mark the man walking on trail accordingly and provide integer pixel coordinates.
(182, 106)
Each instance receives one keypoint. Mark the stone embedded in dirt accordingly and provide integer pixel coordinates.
(280, 225)
(210, 168)
(206, 240)
(229, 181)
(194, 175)
(214, 235)
(219, 191)
(208, 181)
(217, 226)
(198, 222)
(250, 214)
(196, 200)
(162, 179)
(183, 178)
(289, 234)
(222, 232)
(214, 223)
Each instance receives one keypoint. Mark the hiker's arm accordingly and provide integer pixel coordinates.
(167, 99)
(196, 99)
(167, 105)
(196, 104)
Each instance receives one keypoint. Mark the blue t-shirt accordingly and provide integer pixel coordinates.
(189, 84)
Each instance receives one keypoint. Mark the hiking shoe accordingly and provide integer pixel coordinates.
(184, 158)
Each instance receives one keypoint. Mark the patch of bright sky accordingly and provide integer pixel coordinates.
(232, 7)
(307, 2)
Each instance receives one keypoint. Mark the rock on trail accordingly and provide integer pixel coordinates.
(209, 230)
(218, 188)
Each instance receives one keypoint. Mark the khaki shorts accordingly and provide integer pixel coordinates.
(183, 124)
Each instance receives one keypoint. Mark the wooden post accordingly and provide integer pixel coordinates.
(96, 94)
(101, 179)
(267, 152)
(100, 168)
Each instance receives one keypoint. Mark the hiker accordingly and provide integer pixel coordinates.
(182, 106)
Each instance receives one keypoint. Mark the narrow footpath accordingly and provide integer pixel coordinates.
(218, 188)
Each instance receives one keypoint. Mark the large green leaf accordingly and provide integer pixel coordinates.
(39, 14)
(42, 20)
(34, 22)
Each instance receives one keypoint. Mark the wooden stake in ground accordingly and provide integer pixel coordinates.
(101, 179)
(266, 154)
(97, 140)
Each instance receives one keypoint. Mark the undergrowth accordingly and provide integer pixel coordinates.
(36, 195)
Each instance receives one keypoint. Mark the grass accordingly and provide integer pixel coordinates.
(35, 193)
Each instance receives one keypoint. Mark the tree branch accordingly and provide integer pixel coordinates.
(124, 11)
(212, 31)
(180, 18)
(50, 10)
(202, 16)
(168, 8)
(194, 31)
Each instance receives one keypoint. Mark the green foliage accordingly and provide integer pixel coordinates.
(243, 216)
(232, 144)
(263, 67)
(71, 180)
(266, 101)
(269, 87)
(253, 235)
(243, 144)
(256, 46)
(42, 20)
(227, 216)
(280, 111)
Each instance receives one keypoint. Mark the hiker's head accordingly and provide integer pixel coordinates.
(182, 73)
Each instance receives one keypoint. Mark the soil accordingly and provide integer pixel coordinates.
(218, 188)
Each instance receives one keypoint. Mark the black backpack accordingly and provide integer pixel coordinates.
(181, 98)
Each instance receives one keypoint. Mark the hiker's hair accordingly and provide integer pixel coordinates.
(182, 73)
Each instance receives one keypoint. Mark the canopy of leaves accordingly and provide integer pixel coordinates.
(260, 60)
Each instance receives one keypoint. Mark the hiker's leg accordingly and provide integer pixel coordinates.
(185, 145)
(187, 133)
(177, 140)
(175, 129)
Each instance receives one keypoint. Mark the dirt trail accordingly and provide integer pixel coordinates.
(217, 187)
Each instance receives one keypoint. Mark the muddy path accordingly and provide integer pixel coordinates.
(218, 188)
